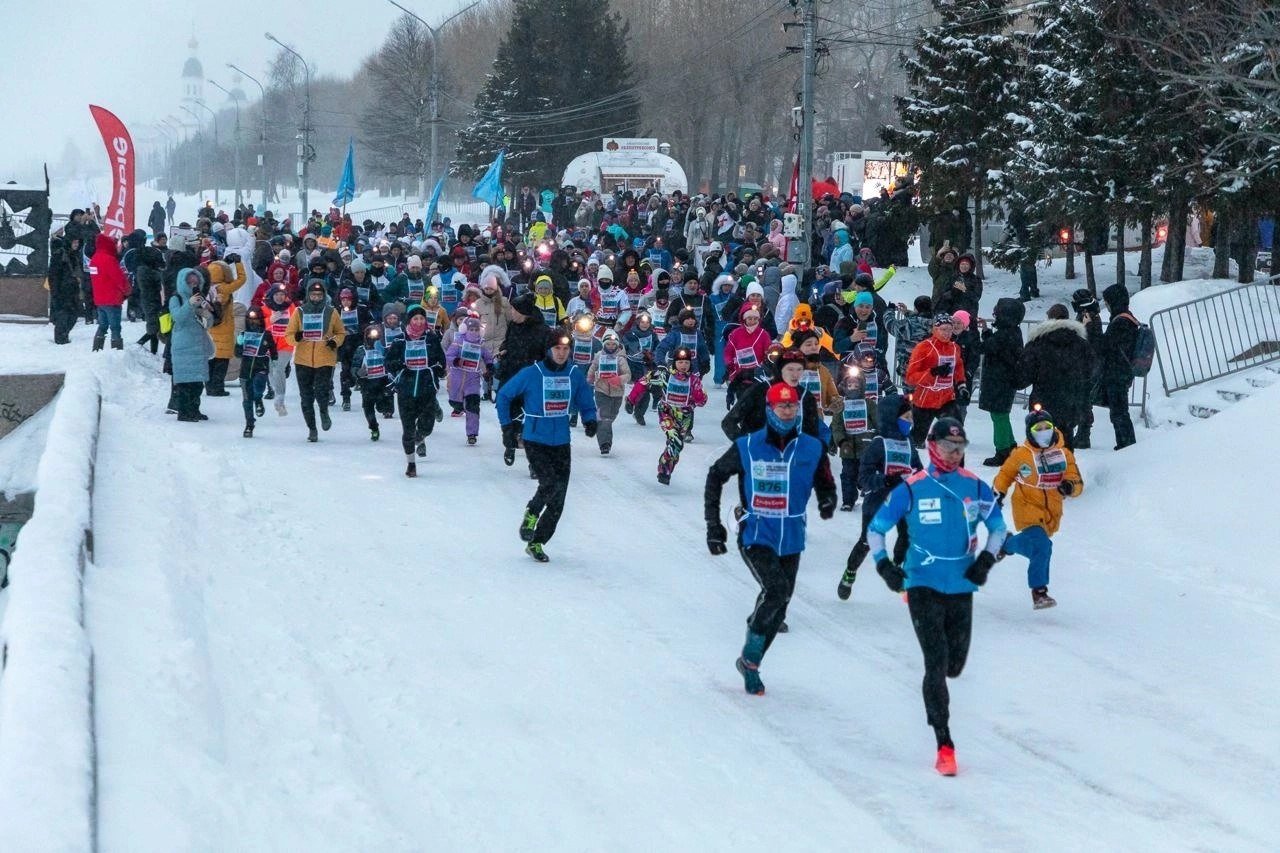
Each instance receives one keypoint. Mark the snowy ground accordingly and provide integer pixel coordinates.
(297, 648)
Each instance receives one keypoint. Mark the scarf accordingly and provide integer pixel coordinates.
(938, 462)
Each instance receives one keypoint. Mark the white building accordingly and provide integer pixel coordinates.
(627, 164)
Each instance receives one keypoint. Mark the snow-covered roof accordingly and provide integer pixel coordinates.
(588, 170)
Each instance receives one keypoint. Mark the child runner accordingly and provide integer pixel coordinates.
(376, 392)
(469, 362)
(609, 374)
(256, 349)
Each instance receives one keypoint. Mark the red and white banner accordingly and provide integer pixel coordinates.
(793, 192)
(118, 217)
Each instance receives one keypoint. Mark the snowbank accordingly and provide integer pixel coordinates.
(46, 726)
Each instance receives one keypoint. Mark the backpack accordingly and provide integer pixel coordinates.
(1144, 348)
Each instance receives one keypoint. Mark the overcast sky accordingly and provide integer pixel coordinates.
(127, 56)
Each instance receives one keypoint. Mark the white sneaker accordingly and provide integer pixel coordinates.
(280, 410)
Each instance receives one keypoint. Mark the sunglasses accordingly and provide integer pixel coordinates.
(951, 445)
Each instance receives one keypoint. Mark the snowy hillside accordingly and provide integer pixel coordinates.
(296, 648)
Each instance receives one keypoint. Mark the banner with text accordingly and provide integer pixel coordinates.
(118, 216)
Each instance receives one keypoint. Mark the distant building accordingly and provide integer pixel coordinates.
(192, 82)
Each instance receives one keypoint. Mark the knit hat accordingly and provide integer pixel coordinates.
(682, 354)
(943, 319)
(358, 265)
(610, 335)
(605, 274)
(748, 308)
(961, 317)
(314, 285)
(790, 356)
(864, 298)
(755, 289)
(781, 392)
(414, 262)
(944, 428)
(686, 314)
(800, 337)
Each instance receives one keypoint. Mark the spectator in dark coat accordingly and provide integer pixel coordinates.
(1116, 373)
(1058, 365)
(150, 284)
(1001, 356)
(1088, 314)
(157, 218)
(526, 338)
(64, 286)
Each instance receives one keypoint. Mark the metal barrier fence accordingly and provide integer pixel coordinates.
(1218, 335)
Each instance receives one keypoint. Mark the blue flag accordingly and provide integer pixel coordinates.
(489, 190)
(435, 200)
(347, 183)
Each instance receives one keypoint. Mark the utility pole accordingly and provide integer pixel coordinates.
(216, 199)
(305, 152)
(236, 103)
(434, 83)
(262, 134)
(804, 195)
(199, 149)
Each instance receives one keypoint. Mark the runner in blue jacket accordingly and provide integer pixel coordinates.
(777, 467)
(548, 391)
(943, 506)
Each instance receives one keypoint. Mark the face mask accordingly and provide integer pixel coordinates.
(1042, 437)
(780, 425)
(904, 426)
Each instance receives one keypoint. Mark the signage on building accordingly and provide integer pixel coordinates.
(627, 145)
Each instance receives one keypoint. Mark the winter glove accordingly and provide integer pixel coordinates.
(962, 395)
(941, 370)
(894, 576)
(981, 567)
(331, 343)
(510, 436)
(589, 428)
(231, 258)
(1067, 488)
(297, 336)
(717, 536)
(826, 507)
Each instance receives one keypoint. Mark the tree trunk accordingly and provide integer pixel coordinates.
(1175, 246)
(977, 234)
(717, 157)
(1120, 270)
(1248, 258)
(1090, 280)
(1221, 244)
(1070, 272)
(1275, 243)
(1144, 260)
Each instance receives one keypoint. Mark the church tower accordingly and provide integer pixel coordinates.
(192, 80)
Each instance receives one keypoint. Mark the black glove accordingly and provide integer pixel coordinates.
(826, 507)
(962, 395)
(1067, 488)
(717, 536)
(981, 567)
(589, 428)
(510, 437)
(331, 343)
(894, 576)
(457, 362)
(231, 258)
(297, 336)
(941, 370)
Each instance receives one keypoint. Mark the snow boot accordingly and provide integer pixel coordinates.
(280, 409)
(374, 435)
(1040, 598)
(783, 628)
(271, 393)
(1083, 437)
(946, 762)
(117, 343)
(664, 479)
(856, 556)
(325, 421)
(846, 507)
(346, 404)
(312, 435)
(471, 441)
(748, 664)
(248, 431)
(528, 525)
(258, 409)
(98, 341)
(411, 470)
(605, 448)
(421, 449)
(332, 399)
(629, 408)
(509, 456)
(998, 459)
(439, 415)
(639, 418)
(534, 549)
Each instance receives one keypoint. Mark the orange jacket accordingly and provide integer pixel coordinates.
(934, 392)
(317, 353)
(1035, 475)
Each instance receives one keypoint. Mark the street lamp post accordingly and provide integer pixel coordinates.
(199, 149)
(235, 102)
(262, 132)
(165, 132)
(434, 83)
(175, 125)
(202, 105)
(305, 154)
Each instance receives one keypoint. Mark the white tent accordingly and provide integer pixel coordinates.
(604, 171)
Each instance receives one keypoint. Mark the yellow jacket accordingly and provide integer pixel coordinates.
(224, 334)
(1035, 475)
(316, 353)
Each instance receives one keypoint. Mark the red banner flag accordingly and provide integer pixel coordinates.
(793, 193)
(119, 214)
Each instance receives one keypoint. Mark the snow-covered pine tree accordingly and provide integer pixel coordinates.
(951, 122)
(561, 81)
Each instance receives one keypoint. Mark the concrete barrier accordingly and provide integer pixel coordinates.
(22, 395)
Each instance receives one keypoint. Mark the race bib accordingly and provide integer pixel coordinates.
(897, 457)
(942, 382)
(415, 354)
(556, 391)
(1051, 468)
(417, 287)
(549, 315)
(313, 326)
(678, 391)
(583, 350)
(660, 323)
(382, 283)
(645, 343)
(350, 320)
(811, 382)
(362, 293)
(609, 307)
(746, 358)
(375, 365)
(608, 368)
(689, 340)
(252, 344)
(279, 323)
(391, 334)
(433, 320)
(469, 357)
(855, 416)
(770, 489)
(871, 384)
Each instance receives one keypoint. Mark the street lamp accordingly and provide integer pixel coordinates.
(236, 103)
(169, 137)
(434, 84)
(202, 105)
(199, 148)
(262, 131)
(304, 149)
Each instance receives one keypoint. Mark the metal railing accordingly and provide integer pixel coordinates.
(1218, 335)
